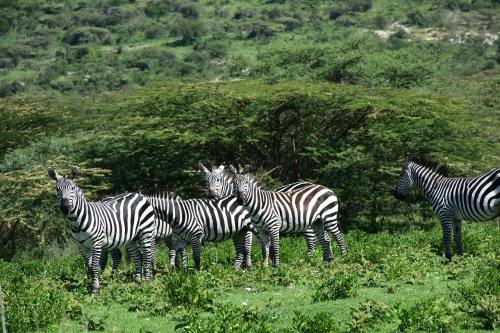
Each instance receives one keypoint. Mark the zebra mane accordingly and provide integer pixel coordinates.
(166, 195)
(256, 181)
(112, 197)
(424, 161)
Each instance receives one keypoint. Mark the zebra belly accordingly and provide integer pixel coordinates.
(85, 239)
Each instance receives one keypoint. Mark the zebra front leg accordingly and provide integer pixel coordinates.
(247, 249)
(196, 245)
(134, 251)
(264, 243)
(457, 228)
(310, 237)
(238, 242)
(87, 258)
(275, 241)
(447, 225)
(95, 268)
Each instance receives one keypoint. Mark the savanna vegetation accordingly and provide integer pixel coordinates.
(136, 93)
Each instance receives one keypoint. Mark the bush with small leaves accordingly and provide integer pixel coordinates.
(336, 286)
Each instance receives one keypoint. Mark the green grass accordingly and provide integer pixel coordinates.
(220, 297)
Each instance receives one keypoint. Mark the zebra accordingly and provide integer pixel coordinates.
(452, 199)
(163, 231)
(219, 183)
(197, 221)
(275, 212)
(127, 220)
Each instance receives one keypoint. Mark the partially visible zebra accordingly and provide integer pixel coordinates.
(163, 231)
(275, 212)
(219, 184)
(453, 199)
(196, 221)
(126, 221)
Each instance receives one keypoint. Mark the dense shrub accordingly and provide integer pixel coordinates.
(86, 35)
(337, 286)
(187, 29)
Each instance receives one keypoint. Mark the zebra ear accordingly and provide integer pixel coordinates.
(203, 169)
(247, 168)
(232, 169)
(220, 168)
(53, 174)
(74, 173)
(240, 168)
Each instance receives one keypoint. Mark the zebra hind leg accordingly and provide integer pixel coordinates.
(196, 245)
(457, 232)
(103, 260)
(332, 226)
(148, 252)
(116, 256)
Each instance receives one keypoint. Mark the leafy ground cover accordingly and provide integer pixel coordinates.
(389, 282)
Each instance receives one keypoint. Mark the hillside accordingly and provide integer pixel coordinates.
(94, 46)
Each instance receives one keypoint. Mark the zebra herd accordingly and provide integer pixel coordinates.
(238, 207)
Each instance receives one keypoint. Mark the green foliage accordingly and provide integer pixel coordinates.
(320, 322)
(187, 290)
(31, 302)
(433, 314)
(226, 318)
(337, 286)
(366, 314)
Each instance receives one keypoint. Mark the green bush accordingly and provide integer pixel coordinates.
(366, 314)
(33, 303)
(226, 318)
(187, 29)
(337, 286)
(430, 315)
(86, 35)
(185, 289)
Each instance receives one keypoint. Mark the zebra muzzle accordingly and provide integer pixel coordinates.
(64, 206)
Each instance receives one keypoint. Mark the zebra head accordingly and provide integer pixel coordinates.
(241, 184)
(405, 181)
(218, 182)
(66, 189)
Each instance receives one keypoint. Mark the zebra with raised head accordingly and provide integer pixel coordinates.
(219, 184)
(127, 220)
(274, 212)
(197, 221)
(453, 199)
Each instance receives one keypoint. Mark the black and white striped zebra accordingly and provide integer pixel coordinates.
(197, 221)
(127, 220)
(219, 184)
(163, 231)
(453, 199)
(274, 212)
